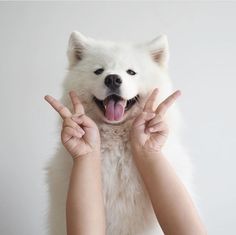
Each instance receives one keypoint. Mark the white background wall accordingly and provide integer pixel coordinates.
(33, 40)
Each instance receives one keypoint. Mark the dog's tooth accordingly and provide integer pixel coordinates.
(105, 103)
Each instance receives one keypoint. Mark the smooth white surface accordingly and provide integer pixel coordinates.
(33, 41)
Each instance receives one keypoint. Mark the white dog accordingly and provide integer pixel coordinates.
(113, 81)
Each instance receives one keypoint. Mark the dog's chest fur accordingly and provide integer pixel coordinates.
(128, 208)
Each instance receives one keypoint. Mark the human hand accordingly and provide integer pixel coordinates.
(79, 135)
(149, 131)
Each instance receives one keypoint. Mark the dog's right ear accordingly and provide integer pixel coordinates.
(159, 50)
(77, 46)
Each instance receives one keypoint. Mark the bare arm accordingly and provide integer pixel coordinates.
(84, 207)
(80, 136)
(171, 202)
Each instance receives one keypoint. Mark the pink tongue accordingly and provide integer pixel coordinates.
(115, 110)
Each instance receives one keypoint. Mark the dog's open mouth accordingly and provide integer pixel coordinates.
(114, 106)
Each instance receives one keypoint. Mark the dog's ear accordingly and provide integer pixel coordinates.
(77, 45)
(159, 50)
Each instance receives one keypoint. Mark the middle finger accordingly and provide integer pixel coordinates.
(149, 106)
(78, 107)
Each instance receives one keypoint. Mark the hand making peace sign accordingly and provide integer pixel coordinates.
(79, 134)
(149, 131)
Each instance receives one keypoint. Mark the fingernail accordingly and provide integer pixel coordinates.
(178, 92)
(47, 97)
(79, 135)
(82, 132)
(151, 114)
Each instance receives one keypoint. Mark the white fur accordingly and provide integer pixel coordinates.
(128, 209)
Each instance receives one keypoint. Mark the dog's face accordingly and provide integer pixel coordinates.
(116, 78)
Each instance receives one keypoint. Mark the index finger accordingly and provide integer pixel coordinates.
(163, 107)
(78, 107)
(60, 108)
(149, 106)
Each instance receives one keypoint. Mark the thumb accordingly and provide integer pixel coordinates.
(143, 118)
(83, 120)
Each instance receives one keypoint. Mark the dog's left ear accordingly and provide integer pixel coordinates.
(159, 50)
(76, 47)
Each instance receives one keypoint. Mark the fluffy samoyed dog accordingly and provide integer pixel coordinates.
(113, 81)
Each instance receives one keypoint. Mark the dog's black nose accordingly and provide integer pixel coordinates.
(113, 81)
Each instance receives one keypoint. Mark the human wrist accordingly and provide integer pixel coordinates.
(95, 155)
(141, 155)
(142, 152)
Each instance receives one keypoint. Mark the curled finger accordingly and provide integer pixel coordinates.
(83, 120)
(143, 118)
(68, 122)
(68, 132)
(159, 127)
(157, 118)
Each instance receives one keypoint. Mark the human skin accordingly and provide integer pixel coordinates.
(174, 208)
(80, 136)
(171, 202)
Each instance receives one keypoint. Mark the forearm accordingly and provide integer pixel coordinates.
(84, 207)
(172, 204)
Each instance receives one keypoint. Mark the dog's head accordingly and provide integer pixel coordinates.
(115, 78)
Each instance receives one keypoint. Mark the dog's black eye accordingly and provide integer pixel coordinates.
(99, 71)
(131, 72)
